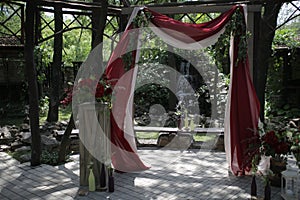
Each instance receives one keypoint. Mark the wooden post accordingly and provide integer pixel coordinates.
(22, 24)
(56, 67)
(98, 22)
(32, 84)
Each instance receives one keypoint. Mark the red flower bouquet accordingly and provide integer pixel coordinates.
(275, 144)
(85, 89)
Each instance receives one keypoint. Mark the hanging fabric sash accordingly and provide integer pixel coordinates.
(242, 110)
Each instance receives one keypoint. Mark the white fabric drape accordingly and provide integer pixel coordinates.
(192, 45)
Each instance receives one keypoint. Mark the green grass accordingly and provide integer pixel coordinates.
(199, 137)
(147, 135)
(203, 137)
(17, 154)
(63, 115)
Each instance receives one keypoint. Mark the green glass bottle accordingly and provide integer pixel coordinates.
(186, 119)
(92, 185)
(192, 125)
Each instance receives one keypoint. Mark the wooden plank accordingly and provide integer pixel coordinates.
(68, 4)
(79, 5)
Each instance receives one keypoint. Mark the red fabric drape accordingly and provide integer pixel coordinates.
(196, 32)
(244, 116)
(244, 109)
(123, 156)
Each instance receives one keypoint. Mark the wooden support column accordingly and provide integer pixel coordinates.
(255, 36)
(172, 75)
(56, 66)
(99, 16)
(98, 22)
(22, 24)
(32, 84)
(250, 25)
(253, 18)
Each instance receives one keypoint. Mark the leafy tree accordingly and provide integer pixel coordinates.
(267, 27)
(286, 37)
(11, 26)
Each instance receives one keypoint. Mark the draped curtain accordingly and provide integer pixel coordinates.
(242, 110)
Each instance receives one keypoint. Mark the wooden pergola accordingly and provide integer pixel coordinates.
(30, 18)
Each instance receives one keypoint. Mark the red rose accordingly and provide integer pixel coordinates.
(282, 148)
(271, 138)
(99, 91)
(108, 91)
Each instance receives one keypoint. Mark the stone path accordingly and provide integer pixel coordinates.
(186, 175)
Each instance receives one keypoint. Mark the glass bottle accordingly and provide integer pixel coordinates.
(92, 185)
(111, 183)
(253, 187)
(267, 191)
(103, 176)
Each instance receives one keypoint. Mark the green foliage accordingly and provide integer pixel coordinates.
(12, 25)
(63, 114)
(220, 50)
(274, 86)
(142, 20)
(44, 106)
(286, 37)
(77, 42)
(50, 158)
(200, 137)
(148, 95)
(18, 154)
(151, 87)
(47, 157)
(285, 112)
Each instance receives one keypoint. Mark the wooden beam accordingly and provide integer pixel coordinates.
(191, 9)
(66, 12)
(110, 10)
(79, 5)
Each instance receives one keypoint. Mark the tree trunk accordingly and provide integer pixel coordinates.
(267, 25)
(32, 85)
(56, 66)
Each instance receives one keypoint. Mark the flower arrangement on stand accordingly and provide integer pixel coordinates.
(86, 89)
(270, 159)
(277, 146)
(92, 96)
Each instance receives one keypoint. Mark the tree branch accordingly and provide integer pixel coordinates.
(290, 18)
